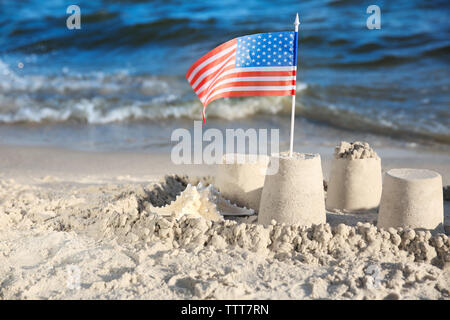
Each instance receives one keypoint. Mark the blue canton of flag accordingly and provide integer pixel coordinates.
(274, 49)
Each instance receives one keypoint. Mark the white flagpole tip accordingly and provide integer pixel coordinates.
(291, 142)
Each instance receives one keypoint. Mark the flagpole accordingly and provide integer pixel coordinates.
(291, 148)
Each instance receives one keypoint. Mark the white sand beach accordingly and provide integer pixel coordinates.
(76, 225)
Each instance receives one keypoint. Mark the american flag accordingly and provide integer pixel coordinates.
(263, 64)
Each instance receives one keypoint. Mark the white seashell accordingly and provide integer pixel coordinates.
(201, 201)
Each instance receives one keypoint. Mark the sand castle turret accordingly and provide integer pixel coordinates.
(242, 183)
(355, 181)
(411, 198)
(294, 195)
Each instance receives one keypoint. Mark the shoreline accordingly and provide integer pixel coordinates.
(22, 162)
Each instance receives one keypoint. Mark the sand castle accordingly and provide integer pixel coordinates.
(355, 181)
(242, 183)
(411, 198)
(295, 194)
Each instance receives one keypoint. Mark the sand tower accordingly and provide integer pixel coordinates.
(355, 181)
(294, 195)
(411, 198)
(242, 183)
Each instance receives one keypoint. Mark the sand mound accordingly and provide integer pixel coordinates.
(354, 150)
(123, 250)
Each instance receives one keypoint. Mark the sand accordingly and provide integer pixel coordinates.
(242, 183)
(295, 194)
(85, 230)
(355, 182)
(354, 150)
(412, 198)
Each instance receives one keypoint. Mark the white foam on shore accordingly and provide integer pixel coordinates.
(100, 98)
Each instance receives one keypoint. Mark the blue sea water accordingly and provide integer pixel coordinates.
(123, 71)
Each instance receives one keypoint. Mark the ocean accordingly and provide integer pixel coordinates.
(118, 82)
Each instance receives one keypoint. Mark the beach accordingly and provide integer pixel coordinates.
(94, 206)
(59, 239)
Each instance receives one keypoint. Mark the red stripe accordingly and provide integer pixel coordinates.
(248, 74)
(214, 51)
(261, 74)
(250, 94)
(217, 78)
(215, 74)
(255, 84)
(211, 65)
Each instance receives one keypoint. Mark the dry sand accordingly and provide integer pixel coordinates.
(295, 194)
(67, 216)
(355, 182)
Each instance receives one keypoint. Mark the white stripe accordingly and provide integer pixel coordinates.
(268, 88)
(219, 75)
(213, 69)
(266, 69)
(236, 70)
(211, 59)
(281, 78)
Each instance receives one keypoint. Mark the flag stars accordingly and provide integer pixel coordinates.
(265, 49)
